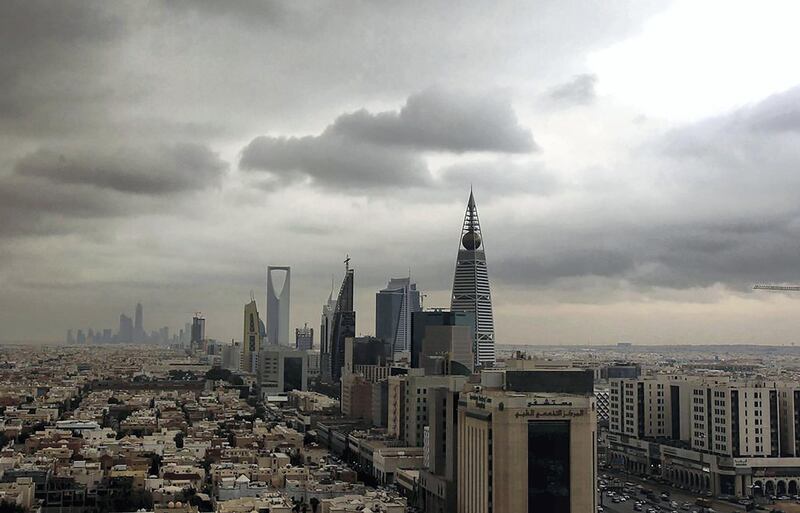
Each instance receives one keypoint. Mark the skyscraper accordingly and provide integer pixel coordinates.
(441, 342)
(251, 339)
(393, 308)
(198, 331)
(344, 323)
(278, 304)
(325, 327)
(304, 338)
(125, 335)
(138, 324)
(471, 285)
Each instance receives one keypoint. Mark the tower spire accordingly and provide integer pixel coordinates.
(471, 291)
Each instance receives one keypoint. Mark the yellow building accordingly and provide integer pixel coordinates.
(527, 443)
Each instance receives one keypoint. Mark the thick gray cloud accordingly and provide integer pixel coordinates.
(51, 64)
(444, 121)
(51, 191)
(364, 150)
(160, 170)
(333, 161)
(578, 91)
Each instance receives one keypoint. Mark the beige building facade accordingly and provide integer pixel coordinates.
(527, 450)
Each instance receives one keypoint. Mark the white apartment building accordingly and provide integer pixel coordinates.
(708, 432)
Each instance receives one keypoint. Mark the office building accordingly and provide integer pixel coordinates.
(80, 338)
(70, 337)
(708, 433)
(396, 408)
(471, 292)
(344, 324)
(437, 481)
(125, 333)
(526, 443)
(356, 395)
(139, 334)
(198, 331)
(251, 337)
(393, 308)
(278, 295)
(441, 342)
(416, 399)
(282, 369)
(325, 327)
(232, 356)
(304, 338)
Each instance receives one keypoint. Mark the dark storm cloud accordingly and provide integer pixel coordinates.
(38, 207)
(443, 121)
(160, 170)
(334, 161)
(578, 91)
(54, 191)
(51, 61)
(367, 150)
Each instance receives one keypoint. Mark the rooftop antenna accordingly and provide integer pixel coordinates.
(252, 295)
(347, 263)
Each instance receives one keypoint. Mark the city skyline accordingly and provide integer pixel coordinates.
(635, 162)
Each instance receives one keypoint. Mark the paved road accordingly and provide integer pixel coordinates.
(679, 496)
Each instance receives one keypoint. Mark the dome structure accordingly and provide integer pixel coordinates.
(471, 240)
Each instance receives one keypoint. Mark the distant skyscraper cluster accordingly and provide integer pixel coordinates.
(129, 331)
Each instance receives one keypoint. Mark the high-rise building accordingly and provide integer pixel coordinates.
(70, 337)
(251, 339)
(437, 481)
(278, 295)
(125, 334)
(138, 324)
(344, 324)
(441, 341)
(325, 327)
(282, 369)
(527, 442)
(198, 331)
(304, 338)
(418, 402)
(471, 292)
(81, 338)
(394, 306)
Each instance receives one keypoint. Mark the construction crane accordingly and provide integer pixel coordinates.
(778, 288)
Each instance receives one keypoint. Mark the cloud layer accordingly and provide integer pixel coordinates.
(364, 150)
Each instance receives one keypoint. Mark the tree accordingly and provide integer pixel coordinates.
(314, 504)
(179, 439)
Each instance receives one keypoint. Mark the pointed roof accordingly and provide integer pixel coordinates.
(471, 229)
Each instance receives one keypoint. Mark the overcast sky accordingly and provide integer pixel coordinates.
(636, 164)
